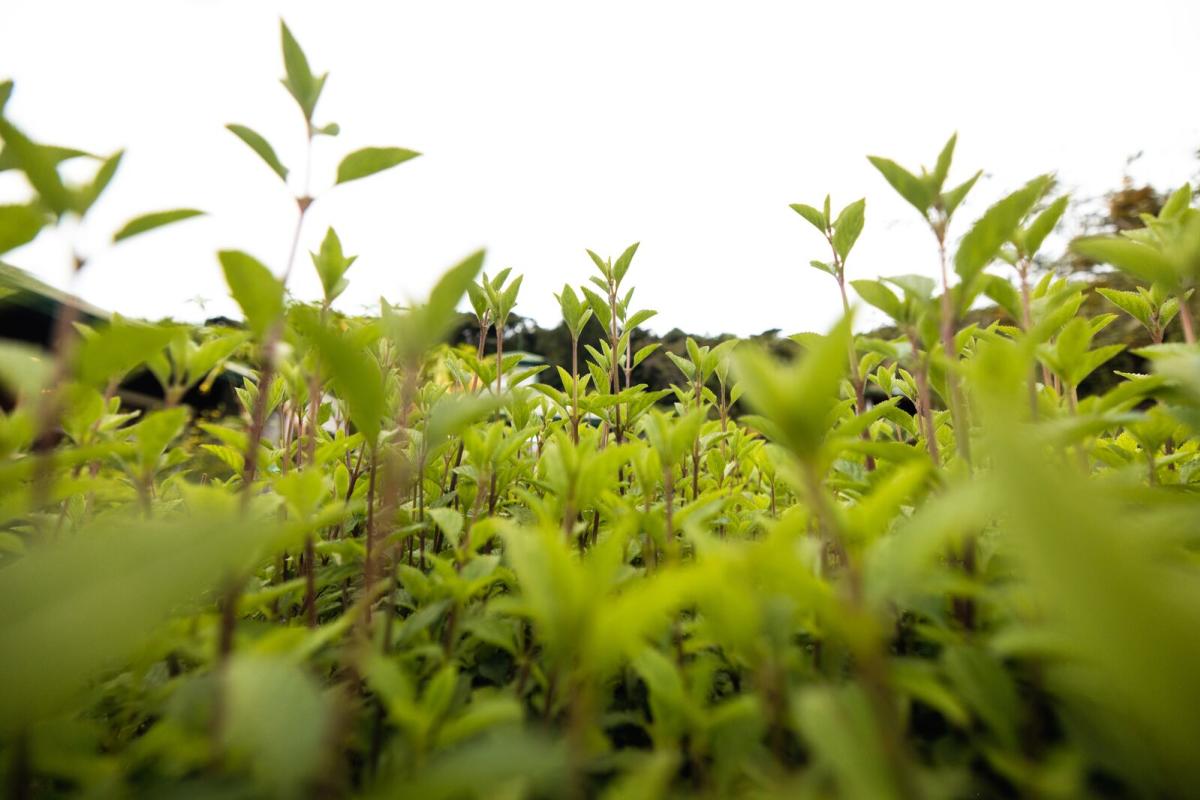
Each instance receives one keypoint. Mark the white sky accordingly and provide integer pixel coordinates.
(552, 127)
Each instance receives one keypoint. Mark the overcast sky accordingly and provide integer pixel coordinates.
(552, 127)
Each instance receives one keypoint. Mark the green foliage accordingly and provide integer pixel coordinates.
(402, 568)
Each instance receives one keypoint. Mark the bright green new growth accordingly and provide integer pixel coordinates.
(824, 566)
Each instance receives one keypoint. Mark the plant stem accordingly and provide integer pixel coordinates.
(924, 400)
(860, 395)
(369, 561)
(575, 388)
(1185, 319)
(962, 433)
(1027, 326)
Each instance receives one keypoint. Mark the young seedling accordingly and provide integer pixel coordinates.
(841, 234)
(253, 286)
(575, 316)
(501, 301)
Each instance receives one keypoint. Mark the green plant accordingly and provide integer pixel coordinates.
(397, 569)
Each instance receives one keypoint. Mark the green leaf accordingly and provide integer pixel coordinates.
(115, 350)
(449, 521)
(277, 722)
(24, 369)
(1042, 225)
(256, 290)
(1004, 294)
(622, 264)
(668, 697)
(639, 318)
(942, 169)
(796, 398)
(601, 264)
(599, 307)
(79, 606)
(815, 217)
(300, 82)
(508, 299)
(19, 225)
(839, 725)
(303, 489)
(645, 351)
(331, 264)
(1092, 361)
(986, 687)
(880, 296)
(148, 222)
(847, 228)
(503, 758)
(354, 370)
(997, 226)
(915, 287)
(52, 153)
(1131, 303)
(448, 292)
(40, 165)
(910, 187)
(88, 196)
(1106, 595)
(1177, 203)
(1139, 260)
(952, 199)
(370, 160)
(155, 432)
(261, 146)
